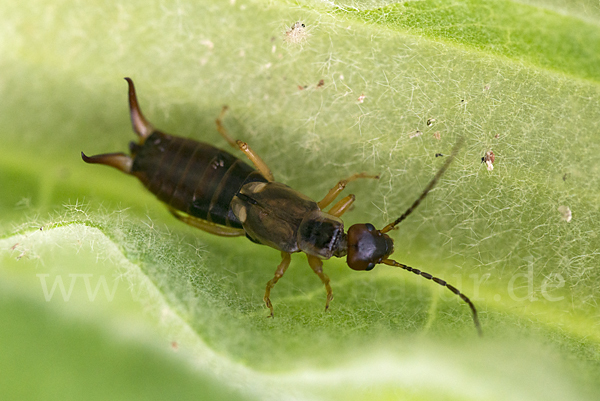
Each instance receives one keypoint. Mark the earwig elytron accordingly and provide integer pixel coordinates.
(212, 190)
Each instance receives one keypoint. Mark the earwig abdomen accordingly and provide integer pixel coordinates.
(193, 177)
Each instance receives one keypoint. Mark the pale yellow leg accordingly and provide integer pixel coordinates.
(260, 165)
(222, 129)
(285, 262)
(342, 206)
(317, 265)
(339, 187)
(207, 225)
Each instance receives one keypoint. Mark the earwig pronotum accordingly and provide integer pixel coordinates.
(212, 190)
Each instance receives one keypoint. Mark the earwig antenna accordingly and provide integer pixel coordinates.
(428, 188)
(141, 126)
(443, 284)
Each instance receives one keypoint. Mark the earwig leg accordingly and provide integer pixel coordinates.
(285, 262)
(119, 161)
(317, 265)
(207, 225)
(222, 129)
(141, 126)
(260, 165)
(339, 187)
(342, 206)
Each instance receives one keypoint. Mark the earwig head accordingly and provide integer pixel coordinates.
(367, 246)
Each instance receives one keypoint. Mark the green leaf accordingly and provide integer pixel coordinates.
(186, 317)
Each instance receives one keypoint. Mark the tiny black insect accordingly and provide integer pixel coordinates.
(212, 190)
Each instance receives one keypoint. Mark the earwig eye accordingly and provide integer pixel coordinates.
(370, 266)
(370, 226)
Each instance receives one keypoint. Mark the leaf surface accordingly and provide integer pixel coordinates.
(513, 78)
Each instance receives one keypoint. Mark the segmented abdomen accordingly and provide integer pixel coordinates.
(193, 177)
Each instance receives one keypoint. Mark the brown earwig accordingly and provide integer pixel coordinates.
(211, 189)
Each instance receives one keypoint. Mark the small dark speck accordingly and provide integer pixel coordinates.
(565, 176)
(439, 155)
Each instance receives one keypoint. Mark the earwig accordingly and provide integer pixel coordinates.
(210, 189)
